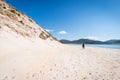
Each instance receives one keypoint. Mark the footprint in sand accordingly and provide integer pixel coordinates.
(13, 77)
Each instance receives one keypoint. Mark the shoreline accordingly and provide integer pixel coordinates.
(110, 46)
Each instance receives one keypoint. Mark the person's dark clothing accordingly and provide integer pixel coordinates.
(83, 45)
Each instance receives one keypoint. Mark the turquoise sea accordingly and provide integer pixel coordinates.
(113, 46)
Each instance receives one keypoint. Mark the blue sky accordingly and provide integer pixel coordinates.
(74, 19)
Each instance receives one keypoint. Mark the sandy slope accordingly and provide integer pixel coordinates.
(36, 59)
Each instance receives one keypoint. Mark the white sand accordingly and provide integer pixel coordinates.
(36, 59)
(25, 56)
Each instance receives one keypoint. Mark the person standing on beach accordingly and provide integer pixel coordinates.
(83, 45)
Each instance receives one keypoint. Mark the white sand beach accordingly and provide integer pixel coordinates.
(28, 52)
(22, 59)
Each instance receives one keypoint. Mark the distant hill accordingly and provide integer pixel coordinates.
(113, 41)
(79, 41)
(89, 41)
(65, 41)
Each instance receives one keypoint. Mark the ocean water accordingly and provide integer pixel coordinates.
(113, 46)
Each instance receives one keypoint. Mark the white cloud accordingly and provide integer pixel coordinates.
(91, 37)
(62, 32)
(49, 30)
